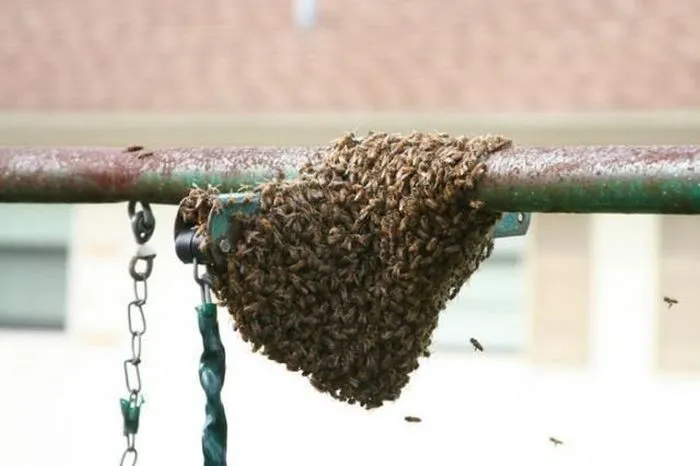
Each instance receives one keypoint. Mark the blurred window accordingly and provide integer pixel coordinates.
(305, 13)
(33, 258)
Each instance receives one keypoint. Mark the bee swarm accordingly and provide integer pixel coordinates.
(344, 271)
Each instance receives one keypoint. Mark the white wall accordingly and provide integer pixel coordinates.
(626, 251)
(62, 393)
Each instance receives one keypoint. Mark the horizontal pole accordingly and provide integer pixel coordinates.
(575, 179)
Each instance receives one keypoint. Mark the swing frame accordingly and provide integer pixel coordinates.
(573, 179)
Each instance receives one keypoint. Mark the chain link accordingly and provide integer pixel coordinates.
(142, 225)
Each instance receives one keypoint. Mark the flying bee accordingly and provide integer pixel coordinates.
(476, 344)
(670, 301)
(143, 155)
(555, 441)
(412, 419)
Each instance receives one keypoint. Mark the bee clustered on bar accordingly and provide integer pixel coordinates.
(344, 271)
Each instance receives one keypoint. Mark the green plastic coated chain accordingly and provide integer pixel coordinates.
(212, 369)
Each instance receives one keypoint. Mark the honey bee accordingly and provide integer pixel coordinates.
(278, 201)
(133, 148)
(347, 243)
(412, 419)
(478, 170)
(431, 204)
(143, 155)
(432, 244)
(217, 206)
(265, 224)
(555, 441)
(456, 157)
(454, 249)
(361, 240)
(395, 270)
(476, 344)
(670, 301)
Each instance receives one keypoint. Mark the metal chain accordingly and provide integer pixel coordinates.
(212, 371)
(143, 225)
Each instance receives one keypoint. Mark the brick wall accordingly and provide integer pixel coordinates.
(383, 55)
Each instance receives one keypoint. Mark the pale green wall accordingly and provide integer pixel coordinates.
(33, 224)
(33, 250)
(174, 130)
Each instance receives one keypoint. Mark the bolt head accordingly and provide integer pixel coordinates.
(225, 246)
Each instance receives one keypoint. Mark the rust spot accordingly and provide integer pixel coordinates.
(110, 175)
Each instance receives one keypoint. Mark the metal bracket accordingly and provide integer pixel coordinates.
(512, 224)
(223, 233)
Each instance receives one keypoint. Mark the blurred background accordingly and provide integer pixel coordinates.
(579, 344)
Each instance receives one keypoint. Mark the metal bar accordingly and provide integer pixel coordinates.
(577, 179)
(511, 223)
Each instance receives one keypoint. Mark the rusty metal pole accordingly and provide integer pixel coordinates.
(577, 179)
